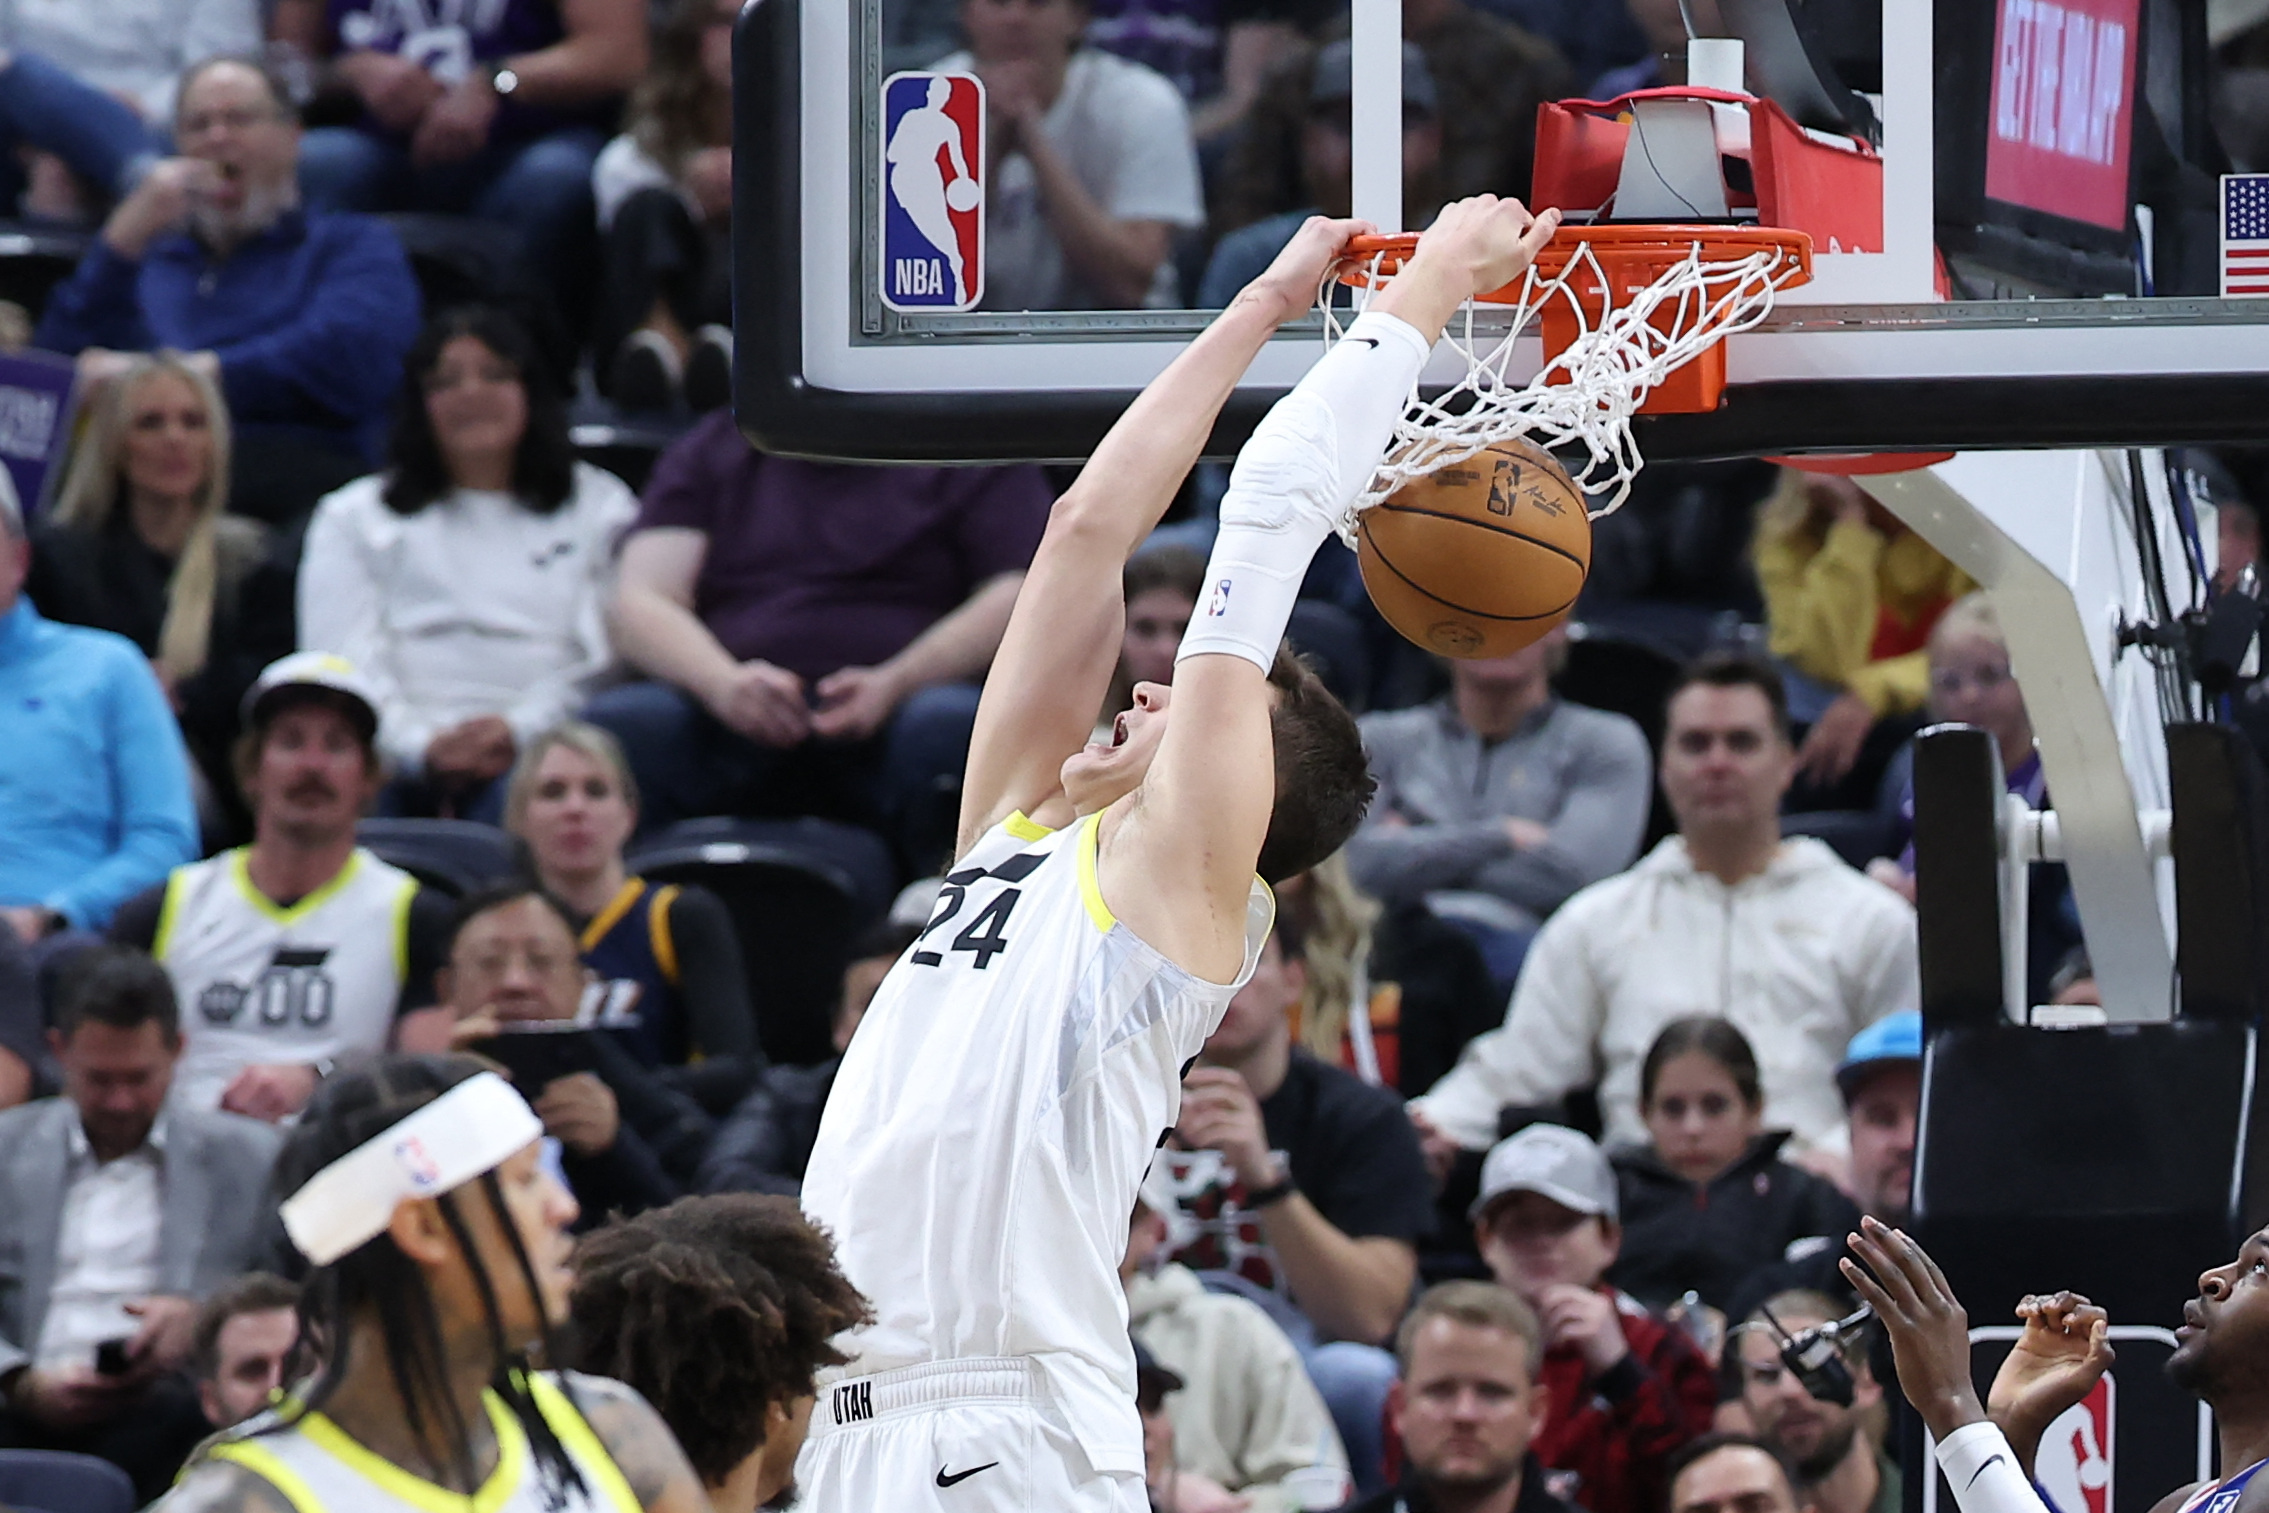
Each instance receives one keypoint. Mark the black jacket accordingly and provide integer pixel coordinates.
(1680, 1237)
(765, 1143)
(1411, 1496)
(659, 1144)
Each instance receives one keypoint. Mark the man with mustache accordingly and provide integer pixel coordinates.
(302, 950)
(1842, 1469)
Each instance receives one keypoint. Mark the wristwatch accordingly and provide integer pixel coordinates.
(502, 79)
(1277, 1191)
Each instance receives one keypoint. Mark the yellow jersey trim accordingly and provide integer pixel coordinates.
(263, 1463)
(1090, 891)
(176, 884)
(610, 916)
(658, 932)
(401, 928)
(240, 873)
(1024, 828)
(511, 1464)
(583, 1442)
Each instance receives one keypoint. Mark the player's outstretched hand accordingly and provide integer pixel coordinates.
(1287, 290)
(2055, 1363)
(1484, 243)
(1930, 1334)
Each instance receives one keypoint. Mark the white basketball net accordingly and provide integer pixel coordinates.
(1588, 394)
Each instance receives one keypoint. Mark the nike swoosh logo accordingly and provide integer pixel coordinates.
(1974, 1475)
(961, 1476)
(1368, 341)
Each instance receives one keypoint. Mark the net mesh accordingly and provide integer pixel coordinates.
(1624, 347)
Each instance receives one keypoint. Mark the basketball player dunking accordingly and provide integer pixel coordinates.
(984, 1139)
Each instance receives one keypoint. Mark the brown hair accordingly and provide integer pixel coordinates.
(1703, 1035)
(1477, 1305)
(1733, 669)
(1323, 779)
(675, 110)
(254, 1292)
(1174, 566)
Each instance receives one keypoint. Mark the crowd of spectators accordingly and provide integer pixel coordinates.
(1569, 1066)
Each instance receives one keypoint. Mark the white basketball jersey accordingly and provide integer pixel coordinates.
(319, 1469)
(262, 983)
(981, 1148)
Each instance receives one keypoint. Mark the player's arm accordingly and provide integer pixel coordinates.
(1055, 662)
(643, 1448)
(1188, 849)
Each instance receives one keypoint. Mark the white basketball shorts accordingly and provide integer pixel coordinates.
(970, 1436)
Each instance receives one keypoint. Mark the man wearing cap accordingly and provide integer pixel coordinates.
(1623, 1388)
(300, 950)
(1327, 154)
(94, 794)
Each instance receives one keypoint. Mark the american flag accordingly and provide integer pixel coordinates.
(2245, 233)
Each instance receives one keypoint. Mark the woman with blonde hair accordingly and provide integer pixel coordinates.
(673, 992)
(136, 543)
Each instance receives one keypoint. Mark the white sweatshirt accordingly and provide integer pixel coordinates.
(1800, 957)
(475, 605)
(136, 48)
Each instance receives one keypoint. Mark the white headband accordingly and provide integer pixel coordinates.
(473, 1128)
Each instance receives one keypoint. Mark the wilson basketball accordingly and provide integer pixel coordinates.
(1480, 558)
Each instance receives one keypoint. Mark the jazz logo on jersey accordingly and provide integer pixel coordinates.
(933, 191)
(2074, 1462)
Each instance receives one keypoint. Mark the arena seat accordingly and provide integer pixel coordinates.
(32, 1479)
(456, 857)
(1857, 835)
(800, 892)
(34, 259)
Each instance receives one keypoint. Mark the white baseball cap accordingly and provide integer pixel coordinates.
(312, 669)
(1551, 1159)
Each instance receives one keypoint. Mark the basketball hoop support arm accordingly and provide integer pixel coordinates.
(2045, 534)
(1375, 89)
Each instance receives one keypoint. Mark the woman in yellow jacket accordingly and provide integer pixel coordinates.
(1850, 597)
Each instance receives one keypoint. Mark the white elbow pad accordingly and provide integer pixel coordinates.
(1983, 1471)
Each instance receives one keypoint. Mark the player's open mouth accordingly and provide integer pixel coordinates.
(1118, 732)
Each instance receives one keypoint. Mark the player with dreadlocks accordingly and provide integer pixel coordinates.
(719, 1311)
(439, 1244)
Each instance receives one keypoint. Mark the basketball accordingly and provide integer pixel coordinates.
(961, 195)
(1480, 558)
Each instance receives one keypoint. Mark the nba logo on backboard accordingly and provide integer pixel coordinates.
(2075, 1460)
(422, 1170)
(933, 191)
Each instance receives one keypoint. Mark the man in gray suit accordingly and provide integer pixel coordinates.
(121, 1216)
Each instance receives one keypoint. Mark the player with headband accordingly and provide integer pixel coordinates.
(978, 1159)
(439, 1243)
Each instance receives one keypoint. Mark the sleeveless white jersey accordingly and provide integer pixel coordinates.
(259, 983)
(981, 1147)
(318, 1469)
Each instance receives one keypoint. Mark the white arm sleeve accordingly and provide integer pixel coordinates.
(1308, 459)
(1983, 1471)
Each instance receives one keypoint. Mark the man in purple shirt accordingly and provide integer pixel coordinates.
(815, 632)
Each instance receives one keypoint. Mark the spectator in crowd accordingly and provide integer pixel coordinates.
(1707, 1200)
(245, 1333)
(1880, 1078)
(496, 111)
(1094, 169)
(138, 543)
(301, 318)
(1499, 801)
(1732, 1473)
(1248, 1423)
(1850, 597)
(1467, 1408)
(1623, 1387)
(1840, 1466)
(765, 1143)
(720, 1312)
(1327, 155)
(23, 1022)
(1489, 77)
(814, 631)
(1218, 53)
(1153, 1385)
(675, 994)
(628, 1143)
(1302, 1187)
(94, 798)
(1161, 584)
(301, 950)
(665, 198)
(468, 581)
(122, 1213)
(1781, 937)
(1594, 35)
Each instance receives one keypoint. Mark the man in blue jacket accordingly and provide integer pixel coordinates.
(94, 781)
(303, 319)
